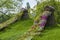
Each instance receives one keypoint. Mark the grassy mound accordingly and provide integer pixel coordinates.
(15, 30)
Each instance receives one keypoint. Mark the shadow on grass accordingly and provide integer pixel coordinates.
(52, 27)
(48, 28)
(46, 31)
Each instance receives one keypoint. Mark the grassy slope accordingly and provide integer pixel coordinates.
(15, 30)
(50, 33)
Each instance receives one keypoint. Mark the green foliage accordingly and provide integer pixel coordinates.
(4, 18)
(8, 3)
(51, 32)
(55, 4)
(13, 31)
(10, 20)
(2, 2)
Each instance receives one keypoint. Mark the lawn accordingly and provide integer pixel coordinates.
(15, 30)
(50, 33)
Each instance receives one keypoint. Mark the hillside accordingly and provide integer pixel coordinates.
(19, 26)
(50, 33)
(14, 30)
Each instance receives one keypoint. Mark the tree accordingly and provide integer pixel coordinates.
(10, 5)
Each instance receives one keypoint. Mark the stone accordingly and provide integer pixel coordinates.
(51, 18)
(25, 14)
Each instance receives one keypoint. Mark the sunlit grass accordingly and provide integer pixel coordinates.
(50, 33)
(15, 30)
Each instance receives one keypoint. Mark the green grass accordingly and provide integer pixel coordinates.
(15, 30)
(50, 33)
